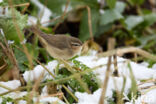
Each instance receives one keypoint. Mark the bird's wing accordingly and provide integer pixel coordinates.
(54, 40)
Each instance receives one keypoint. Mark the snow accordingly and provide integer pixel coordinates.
(154, 67)
(68, 8)
(85, 98)
(11, 84)
(51, 100)
(44, 12)
(32, 20)
(149, 97)
(140, 71)
(38, 70)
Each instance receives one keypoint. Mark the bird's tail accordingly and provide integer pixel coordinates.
(37, 31)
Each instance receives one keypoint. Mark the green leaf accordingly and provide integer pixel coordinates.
(102, 29)
(120, 6)
(6, 100)
(136, 2)
(133, 21)
(84, 28)
(111, 3)
(150, 19)
(56, 6)
(7, 24)
(134, 87)
(91, 3)
(110, 16)
(21, 57)
(145, 39)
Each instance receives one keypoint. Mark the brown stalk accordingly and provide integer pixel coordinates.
(35, 88)
(62, 16)
(19, 33)
(19, 5)
(52, 95)
(115, 73)
(9, 53)
(90, 23)
(135, 57)
(121, 51)
(24, 4)
(106, 77)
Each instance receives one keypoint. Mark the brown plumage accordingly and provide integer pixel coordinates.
(59, 46)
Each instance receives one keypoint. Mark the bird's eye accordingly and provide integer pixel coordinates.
(75, 44)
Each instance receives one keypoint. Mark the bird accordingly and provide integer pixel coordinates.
(59, 46)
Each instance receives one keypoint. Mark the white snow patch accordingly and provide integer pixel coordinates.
(85, 98)
(101, 11)
(154, 67)
(39, 70)
(22, 102)
(32, 20)
(11, 41)
(140, 72)
(46, 100)
(148, 98)
(44, 12)
(68, 8)
(10, 84)
(44, 91)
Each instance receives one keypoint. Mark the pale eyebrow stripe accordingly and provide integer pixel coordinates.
(75, 44)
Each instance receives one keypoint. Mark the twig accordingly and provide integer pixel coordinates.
(52, 95)
(51, 20)
(35, 88)
(3, 66)
(104, 88)
(70, 93)
(9, 53)
(19, 5)
(115, 73)
(62, 16)
(135, 57)
(121, 51)
(106, 77)
(45, 68)
(90, 23)
(5, 87)
(29, 57)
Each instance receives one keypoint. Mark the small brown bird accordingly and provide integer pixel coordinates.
(59, 46)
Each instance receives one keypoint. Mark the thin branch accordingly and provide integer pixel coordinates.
(121, 51)
(5, 87)
(62, 16)
(9, 53)
(90, 23)
(19, 33)
(111, 44)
